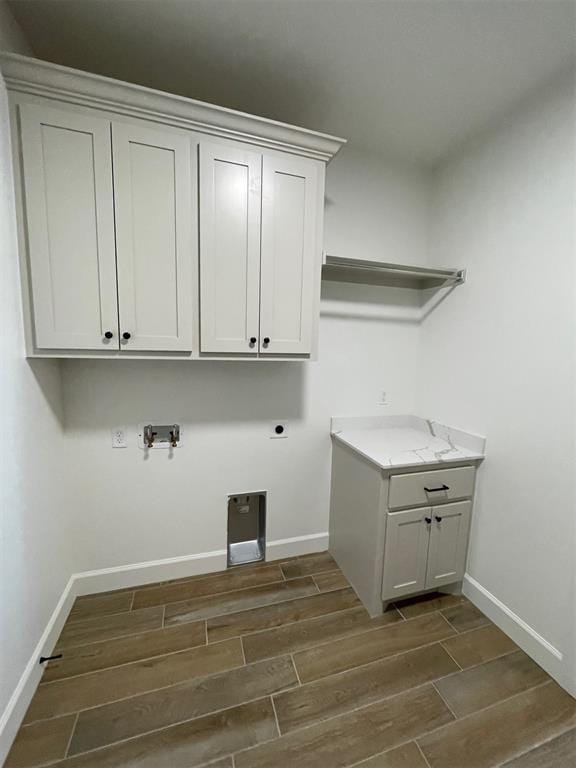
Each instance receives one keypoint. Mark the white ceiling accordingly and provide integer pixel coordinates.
(413, 78)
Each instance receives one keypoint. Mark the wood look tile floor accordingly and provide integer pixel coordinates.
(278, 665)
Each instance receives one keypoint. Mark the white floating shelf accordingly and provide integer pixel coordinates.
(343, 270)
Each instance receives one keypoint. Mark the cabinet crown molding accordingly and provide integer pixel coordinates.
(25, 74)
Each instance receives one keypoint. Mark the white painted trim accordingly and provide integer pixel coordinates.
(118, 577)
(148, 572)
(29, 75)
(298, 545)
(537, 647)
(18, 703)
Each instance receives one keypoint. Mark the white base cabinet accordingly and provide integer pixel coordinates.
(152, 225)
(387, 552)
(424, 549)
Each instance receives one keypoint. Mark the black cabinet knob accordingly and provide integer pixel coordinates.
(253, 340)
(266, 340)
(108, 335)
(438, 519)
(428, 520)
(126, 335)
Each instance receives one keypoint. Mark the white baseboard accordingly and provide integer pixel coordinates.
(106, 579)
(15, 710)
(537, 647)
(137, 574)
(299, 545)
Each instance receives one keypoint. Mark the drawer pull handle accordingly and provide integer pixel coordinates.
(435, 490)
(428, 520)
(438, 519)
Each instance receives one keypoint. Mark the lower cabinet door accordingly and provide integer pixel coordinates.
(405, 552)
(448, 543)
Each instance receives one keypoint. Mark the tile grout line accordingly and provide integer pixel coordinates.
(234, 637)
(304, 684)
(311, 725)
(70, 621)
(126, 663)
(192, 621)
(155, 629)
(485, 661)
(419, 748)
(387, 751)
(296, 669)
(536, 746)
(308, 726)
(132, 601)
(215, 594)
(71, 735)
(291, 655)
(322, 616)
(460, 667)
(483, 709)
(172, 725)
(276, 717)
(290, 623)
(58, 647)
(376, 661)
(448, 707)
(242, 649)
(290, 599)
(164, 688)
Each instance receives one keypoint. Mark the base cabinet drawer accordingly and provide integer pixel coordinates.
(425, 548)
(423, 488)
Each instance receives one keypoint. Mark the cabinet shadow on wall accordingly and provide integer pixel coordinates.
(47, 375)
(99, 394)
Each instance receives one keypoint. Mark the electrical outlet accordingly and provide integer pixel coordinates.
(119, 437)
(279, 429)
(383, 398)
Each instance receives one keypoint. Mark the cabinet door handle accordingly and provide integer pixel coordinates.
(438, 519)
(266, 340)
(108, 335)
(126, 335)
(428, 520)
(253, 340)
(435, 490)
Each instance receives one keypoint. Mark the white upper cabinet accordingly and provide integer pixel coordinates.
(155, 247)
(154, 225)
(291, 255)
(69, 216)
(230, 189)
(260, 253)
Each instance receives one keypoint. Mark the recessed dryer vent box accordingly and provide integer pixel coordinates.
(246, 528)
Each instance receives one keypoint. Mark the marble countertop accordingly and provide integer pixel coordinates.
(406, 441)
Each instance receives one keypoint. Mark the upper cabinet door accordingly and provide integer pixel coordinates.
(291, 255)
(70, 224)
(154, 237)
(448, 543)
(230, 188)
